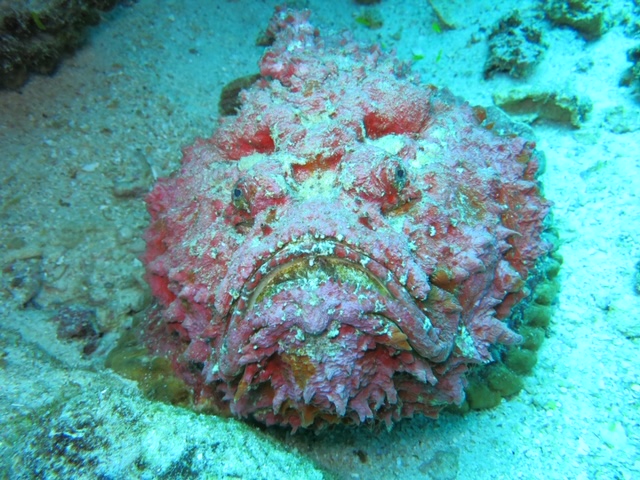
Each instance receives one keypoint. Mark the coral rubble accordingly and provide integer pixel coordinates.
(532, 104)
(631, 77)
(589, 17)
(515, 47)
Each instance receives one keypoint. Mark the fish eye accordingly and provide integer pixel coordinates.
(400, 178)
(239, 199)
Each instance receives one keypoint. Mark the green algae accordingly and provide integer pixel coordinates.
(537, 316)
(504, 378)
(154, 374)
(520, 360)
(370, 18)
(533, 337)
(480, 396)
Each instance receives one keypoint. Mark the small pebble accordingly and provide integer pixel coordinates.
(90, 167)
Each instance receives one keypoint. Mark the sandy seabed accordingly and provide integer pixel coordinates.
(80, 149)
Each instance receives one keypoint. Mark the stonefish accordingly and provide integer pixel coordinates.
(346, 247)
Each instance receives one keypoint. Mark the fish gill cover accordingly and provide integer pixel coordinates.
(349, 247)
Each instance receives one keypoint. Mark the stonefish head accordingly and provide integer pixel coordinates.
(347, 246)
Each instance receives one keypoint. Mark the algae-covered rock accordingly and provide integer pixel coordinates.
(547, 293)
(589, 17)
(515, 47)
(532, 104)
(36, 34)
(538, 316)
(631, 77)
(533, 337)
(64, 417)
(503, 380)
(480, 397)
(619, 119)
(230, 101)
(520, 360)
(154, 375)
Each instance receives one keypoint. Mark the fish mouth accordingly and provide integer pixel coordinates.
(313, 269)
(321, 330)
(312, 287)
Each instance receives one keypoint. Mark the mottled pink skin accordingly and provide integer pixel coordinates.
(345, 247)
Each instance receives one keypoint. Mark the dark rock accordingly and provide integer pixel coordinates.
(631, 77)
(515, 47)
(21, 281)
(588, 17)
(230, 101)
(36, 35)
(76, 322)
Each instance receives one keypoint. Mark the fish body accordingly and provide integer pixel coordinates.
(347, 246)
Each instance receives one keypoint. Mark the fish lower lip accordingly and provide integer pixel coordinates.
(309, 272)
(322, 311)
(305, 286)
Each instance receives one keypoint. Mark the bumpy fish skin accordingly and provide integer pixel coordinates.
(347, 246)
